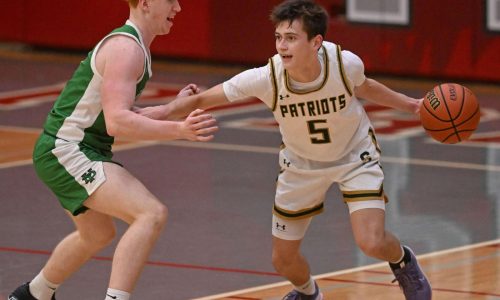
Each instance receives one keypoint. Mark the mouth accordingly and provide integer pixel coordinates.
(170, 19)
(286, 57)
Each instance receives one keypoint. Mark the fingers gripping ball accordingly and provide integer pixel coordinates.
(450, 113)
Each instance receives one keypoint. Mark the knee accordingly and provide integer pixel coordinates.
(156, 217)
(371, 245)
(281, 261)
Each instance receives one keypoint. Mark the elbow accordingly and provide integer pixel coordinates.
(112, 127)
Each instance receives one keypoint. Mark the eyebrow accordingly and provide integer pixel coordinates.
(286, 33)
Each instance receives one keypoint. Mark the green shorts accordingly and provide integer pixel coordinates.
(71, 170)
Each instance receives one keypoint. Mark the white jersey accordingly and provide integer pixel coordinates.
(319, 121)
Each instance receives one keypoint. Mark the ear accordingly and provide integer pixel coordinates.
(318, 41)
(144, 4)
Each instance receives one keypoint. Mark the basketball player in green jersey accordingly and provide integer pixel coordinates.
(73, 155)
(312, 87)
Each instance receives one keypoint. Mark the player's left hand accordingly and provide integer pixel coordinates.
(418, 105)
(188, 90)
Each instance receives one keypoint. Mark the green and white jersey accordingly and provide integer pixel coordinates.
(77, 114)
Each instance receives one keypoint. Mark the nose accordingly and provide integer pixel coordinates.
(177, 6)
(281, 44)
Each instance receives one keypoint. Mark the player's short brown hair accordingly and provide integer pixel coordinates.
(314, 17)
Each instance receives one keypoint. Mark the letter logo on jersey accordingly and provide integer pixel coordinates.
(89, 176)
(365, 157)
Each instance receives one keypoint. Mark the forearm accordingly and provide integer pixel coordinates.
(182, 106)
(380, 94)
(129, 125)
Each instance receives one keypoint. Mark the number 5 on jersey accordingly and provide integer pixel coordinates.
(321, 132)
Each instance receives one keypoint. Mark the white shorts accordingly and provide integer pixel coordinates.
(302, 185)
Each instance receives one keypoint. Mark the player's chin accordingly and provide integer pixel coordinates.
(166, 28)
(287, 63)
(165, 31)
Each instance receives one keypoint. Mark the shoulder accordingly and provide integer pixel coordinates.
(352, 62)
(120, 52)
(121, 47)
(354, 67)
(253, 75)
(252, 82)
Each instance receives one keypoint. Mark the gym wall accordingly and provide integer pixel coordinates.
(445, 38)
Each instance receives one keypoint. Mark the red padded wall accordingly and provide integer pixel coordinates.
(446, 38)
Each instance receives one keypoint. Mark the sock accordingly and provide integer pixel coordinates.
(308, 288)
(405, 258)
(41, 288)
(113, 294)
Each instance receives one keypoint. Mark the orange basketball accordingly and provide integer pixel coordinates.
(450, 113)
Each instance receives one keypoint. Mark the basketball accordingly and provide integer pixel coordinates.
(450, 113)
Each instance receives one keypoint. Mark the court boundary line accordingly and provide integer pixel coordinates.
(270, 150)
(348, 271)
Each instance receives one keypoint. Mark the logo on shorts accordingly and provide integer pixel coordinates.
(89, 176)
(286, 162)
(365, 157)
(280, 227)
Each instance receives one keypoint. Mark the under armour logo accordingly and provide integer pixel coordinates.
(89, 176)
(280, 227)
(283, 97)
(286, 163)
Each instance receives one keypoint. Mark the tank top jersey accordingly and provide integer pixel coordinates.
(77, 114)
(322, 124)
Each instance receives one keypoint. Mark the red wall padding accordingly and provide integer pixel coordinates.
(446, 38)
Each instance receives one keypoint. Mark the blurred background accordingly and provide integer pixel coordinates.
(437, 39)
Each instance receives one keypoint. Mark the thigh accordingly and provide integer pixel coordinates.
(285, 248)
(364, 188)
(67, 171)
(300, 194)
(122, 195)
(94, 225)
(290, 229)
(367, 223)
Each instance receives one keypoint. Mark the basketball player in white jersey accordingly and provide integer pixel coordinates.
(73, 155)
(313, 89)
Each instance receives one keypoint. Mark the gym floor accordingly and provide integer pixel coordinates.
(220, 194)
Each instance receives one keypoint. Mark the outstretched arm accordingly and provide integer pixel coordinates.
(181, 106)
(380, 94)
(121, 61)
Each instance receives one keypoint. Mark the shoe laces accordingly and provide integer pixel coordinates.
(408, 279)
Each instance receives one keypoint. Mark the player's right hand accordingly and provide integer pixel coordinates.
(199, 126)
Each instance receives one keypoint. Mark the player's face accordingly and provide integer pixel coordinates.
(293, 45)
(162, 12)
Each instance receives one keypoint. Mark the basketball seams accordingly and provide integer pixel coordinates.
(462, 104)
(451, 120)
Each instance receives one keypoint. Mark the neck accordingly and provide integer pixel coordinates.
(146, 36)
(307, 72)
